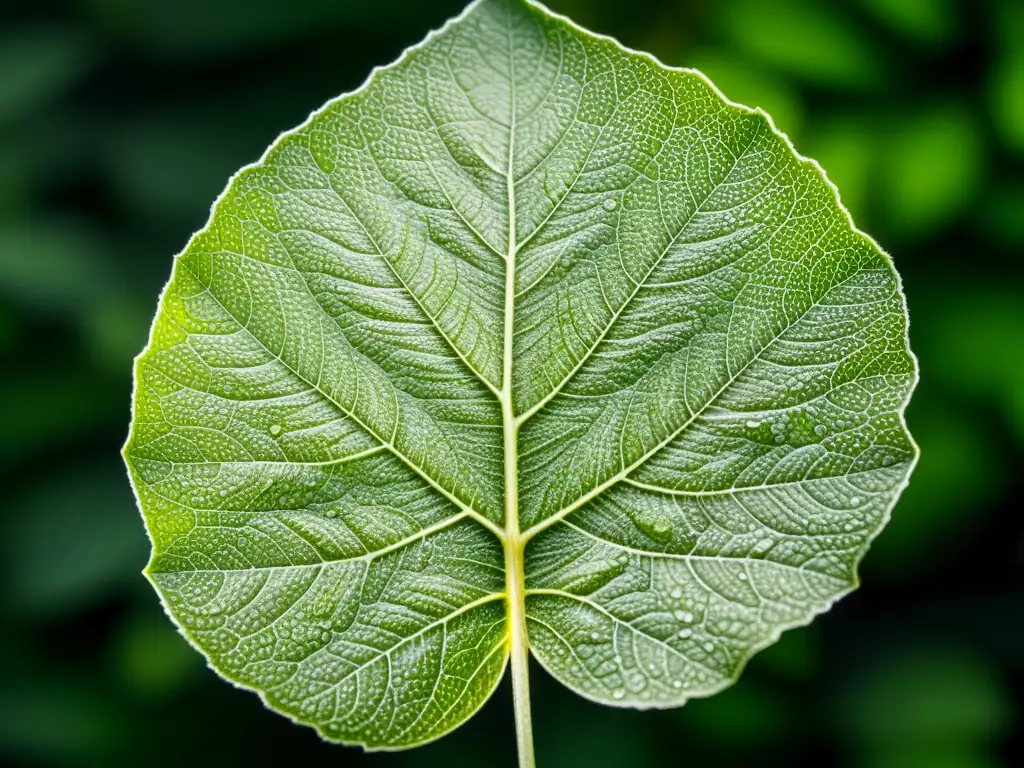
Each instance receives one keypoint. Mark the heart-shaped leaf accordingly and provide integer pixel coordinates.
(529, 344)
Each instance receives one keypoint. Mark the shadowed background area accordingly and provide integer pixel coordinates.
(121, 120)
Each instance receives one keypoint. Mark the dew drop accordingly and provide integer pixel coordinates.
(753, 424)
(223, 493)
(683, 616)
(854, 501)
(618, 693)
(888, 461)
(227, 388)
(610, 204)
(677, 683)
(595, 636)
(676, 593)
(743, 577)
(709, 647)
(275, 429)
(762, 545)
(685, 633)
(820, 430)
(283, 500)
(655, 526)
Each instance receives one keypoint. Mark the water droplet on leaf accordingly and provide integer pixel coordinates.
(655, 526)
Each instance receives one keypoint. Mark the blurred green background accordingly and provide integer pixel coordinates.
(121, 120)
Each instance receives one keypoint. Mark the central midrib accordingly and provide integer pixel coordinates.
(515, 583)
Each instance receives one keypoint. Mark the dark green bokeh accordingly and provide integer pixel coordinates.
(121, 120)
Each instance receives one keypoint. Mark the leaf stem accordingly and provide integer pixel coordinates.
(519, 649)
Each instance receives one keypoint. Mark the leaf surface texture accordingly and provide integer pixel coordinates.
(708, 369)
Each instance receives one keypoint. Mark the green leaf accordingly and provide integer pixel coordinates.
(953, 494)
(813, 42)
(1006, 86)
(1006, 74)
(925, 702)
(149, 661)
(929, 21)
(530, 344)
(66, 547)
(56, 266)
(919, 196)
(194, 29)
(8, 329)
(39, 65)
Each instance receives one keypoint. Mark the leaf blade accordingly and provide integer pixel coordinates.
(327, 373)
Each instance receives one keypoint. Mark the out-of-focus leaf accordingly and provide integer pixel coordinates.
(8, 329)
(924, 701)
(37, 66)
(45, 408)
(974, 343)
(927, 21)
(747, 715)
(47, 720)
(1001, 216)
(814, 42)
(115, 330)
(166, 167)
(845, 147)
(13, 178)
(598, 736)
(71, 542)
(1016, 406)
(959, 474)
(753, 86)
(193, 29)
(1006, 97)
(37, 155)
(797, 655)
(939, 756)
(934, 166)
(149, 657)
(1006, 73)
(51, 266)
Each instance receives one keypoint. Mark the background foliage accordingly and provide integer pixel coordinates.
(121, 120)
